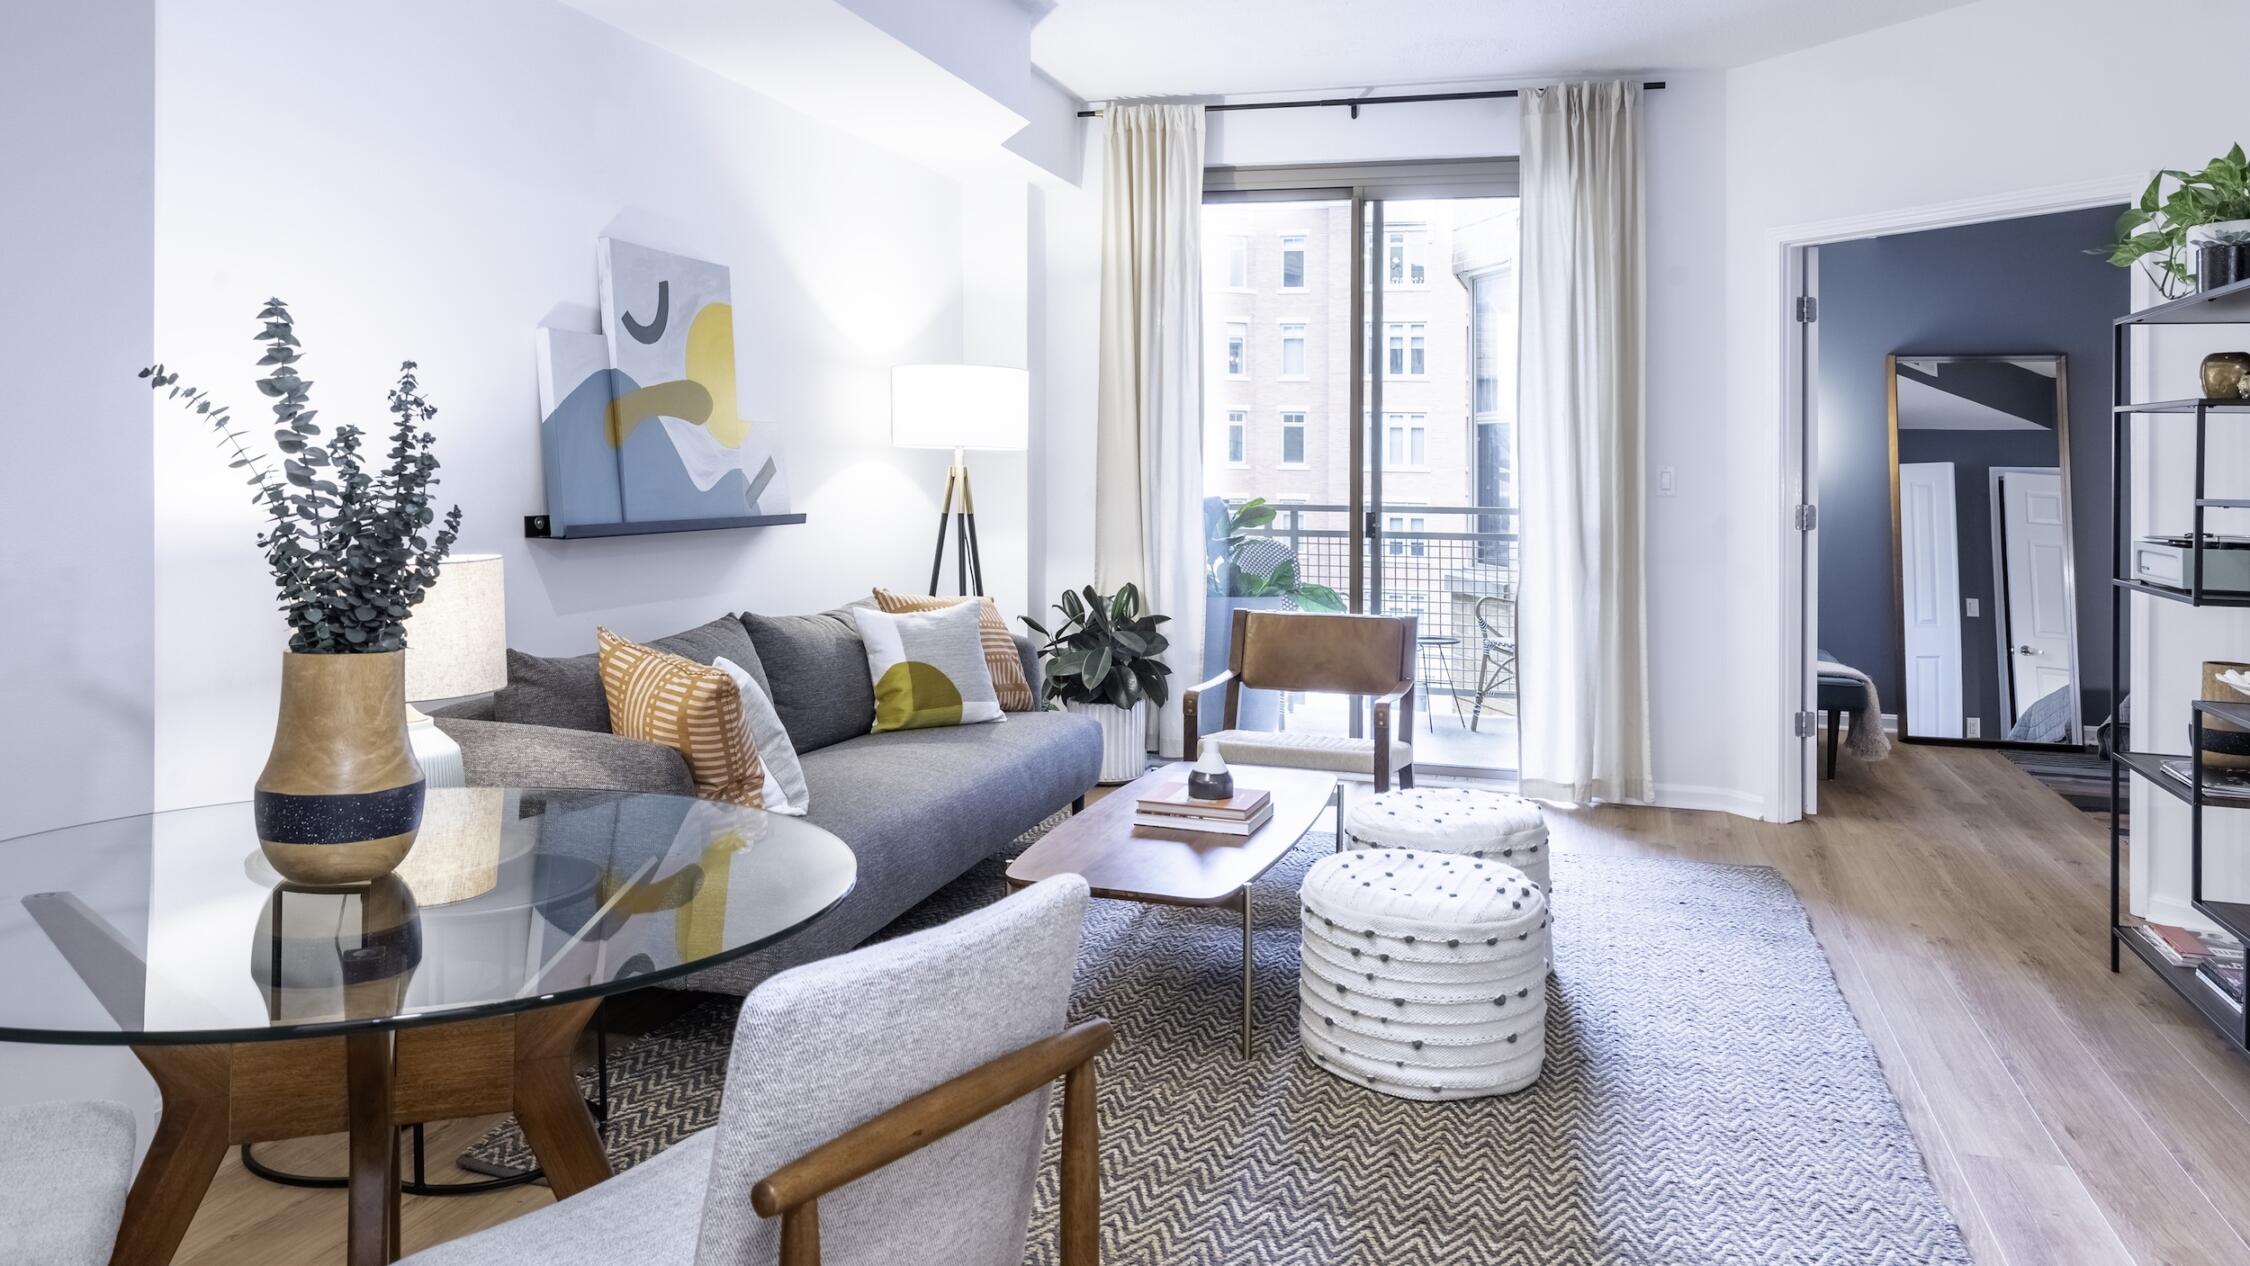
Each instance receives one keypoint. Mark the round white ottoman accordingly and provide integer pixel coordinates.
(1488, 824)
(1424, 975)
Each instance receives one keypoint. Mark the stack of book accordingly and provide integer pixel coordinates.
(2220, 782)
(1171, 808)
(2217, 958)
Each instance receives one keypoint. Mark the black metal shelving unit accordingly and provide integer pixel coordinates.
(2225, 305)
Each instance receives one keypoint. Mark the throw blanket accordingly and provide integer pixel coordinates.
(1865, 739)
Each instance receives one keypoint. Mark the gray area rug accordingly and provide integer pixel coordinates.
(1708, 1097)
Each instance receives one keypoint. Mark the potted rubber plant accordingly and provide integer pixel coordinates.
(1244, 568)
(1102, 661)
(2204, 214)
(352, 544)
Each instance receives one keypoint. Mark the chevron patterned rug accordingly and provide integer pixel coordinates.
(1708, 1097)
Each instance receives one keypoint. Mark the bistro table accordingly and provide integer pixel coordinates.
(456, 987)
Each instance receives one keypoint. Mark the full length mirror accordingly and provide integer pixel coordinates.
(1980, 514)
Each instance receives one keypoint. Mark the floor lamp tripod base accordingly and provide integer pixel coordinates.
(957, 515)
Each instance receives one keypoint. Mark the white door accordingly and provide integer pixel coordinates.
(2034, 544)
(1930, 564)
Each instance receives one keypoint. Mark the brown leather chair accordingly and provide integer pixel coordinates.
(1320, 654)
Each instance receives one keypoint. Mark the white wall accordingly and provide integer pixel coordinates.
(1980, 102)
(76, 241)
(432, 188)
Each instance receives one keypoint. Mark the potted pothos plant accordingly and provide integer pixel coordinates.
(353, 544)
(2204, 214)
(1103, 661)
(1244, 568)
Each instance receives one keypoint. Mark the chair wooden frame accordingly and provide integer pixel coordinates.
(1393, 708)
(793, 1191)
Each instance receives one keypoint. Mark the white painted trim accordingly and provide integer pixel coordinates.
(1672, 795)
(1781, 800)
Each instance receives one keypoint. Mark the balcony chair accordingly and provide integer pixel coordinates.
(1496, 672)
(895, 1097)
(63, 1178)
(1317, 654)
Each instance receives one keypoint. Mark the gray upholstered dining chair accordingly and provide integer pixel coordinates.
(887, 1105)
(63, 1178)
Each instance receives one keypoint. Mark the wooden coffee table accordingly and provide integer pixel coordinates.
(1180, 868)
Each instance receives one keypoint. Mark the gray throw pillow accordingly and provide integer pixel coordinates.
(566, 690)
(816, 670)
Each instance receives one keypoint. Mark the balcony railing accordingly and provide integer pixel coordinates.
(1456, 571)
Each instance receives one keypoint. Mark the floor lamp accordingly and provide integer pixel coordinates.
(960, 407)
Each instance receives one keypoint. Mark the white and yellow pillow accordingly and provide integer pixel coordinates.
(929, 667)
(1000, 656)
(694, 709)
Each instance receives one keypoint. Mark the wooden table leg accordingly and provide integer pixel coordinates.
(1247, 962)
(548, 1104)
(371, 1234)
(191, 1139)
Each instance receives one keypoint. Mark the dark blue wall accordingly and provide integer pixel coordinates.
(2013, 287)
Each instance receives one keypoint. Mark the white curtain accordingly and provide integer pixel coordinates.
(1581, 614)
(1148, 484)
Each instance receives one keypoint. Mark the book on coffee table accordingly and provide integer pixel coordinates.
(1173, 798)
(1212, 826)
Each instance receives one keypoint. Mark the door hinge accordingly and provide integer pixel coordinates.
(1808, 309)
(1804, 725)
(1805, 517)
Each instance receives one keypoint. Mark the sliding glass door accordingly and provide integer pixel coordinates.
(1360, 396)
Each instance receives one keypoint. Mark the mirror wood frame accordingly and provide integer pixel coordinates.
(2070, 549)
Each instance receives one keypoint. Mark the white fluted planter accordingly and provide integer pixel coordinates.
(1124, 738)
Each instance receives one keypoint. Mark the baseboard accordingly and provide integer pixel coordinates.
(1673, 795)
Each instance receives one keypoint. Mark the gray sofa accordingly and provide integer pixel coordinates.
(917, 807)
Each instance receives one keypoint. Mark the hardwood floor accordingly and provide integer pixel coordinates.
(2068, 1115)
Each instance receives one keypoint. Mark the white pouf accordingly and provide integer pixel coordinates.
(1424, 974)
(1489, 824)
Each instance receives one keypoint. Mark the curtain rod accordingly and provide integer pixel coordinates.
(1356, 102)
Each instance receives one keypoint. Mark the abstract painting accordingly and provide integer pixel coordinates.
(641, 429)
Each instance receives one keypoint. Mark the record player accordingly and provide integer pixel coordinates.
(2170, 561)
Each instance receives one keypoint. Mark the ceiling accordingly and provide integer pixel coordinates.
(1100, 49)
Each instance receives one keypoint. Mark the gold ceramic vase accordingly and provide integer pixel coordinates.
(340, 798)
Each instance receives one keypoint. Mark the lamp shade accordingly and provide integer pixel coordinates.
(960, 406)
(457, 637)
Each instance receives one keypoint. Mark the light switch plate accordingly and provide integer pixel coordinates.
(1664, 481)
(1973, 727)
(1972, 608)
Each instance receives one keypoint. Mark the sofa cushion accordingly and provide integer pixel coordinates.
(817, 674)
(566, 690)
(919, 807)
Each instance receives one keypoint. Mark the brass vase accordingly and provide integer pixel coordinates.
(340, 798)
(2223, 375)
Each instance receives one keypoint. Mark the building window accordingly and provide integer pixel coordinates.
(1292, 351)
(1397, 345)
(1293, 439)
(1292, 263)
(1238, 436)
(1238, 262)
(1238, 349)
(1414, 362)
(1406, 440)
(1399, 525)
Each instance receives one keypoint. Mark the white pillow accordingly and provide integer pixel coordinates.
(785, 790)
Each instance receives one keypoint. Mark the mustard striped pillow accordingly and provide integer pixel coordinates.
(1000, 657)
(691, 708)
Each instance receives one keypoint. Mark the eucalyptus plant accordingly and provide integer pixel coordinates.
(2153, 232)
(1105, 650)
(348, 541)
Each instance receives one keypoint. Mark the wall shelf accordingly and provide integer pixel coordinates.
(537, 527)
(2183, 406)
(2210, 597)
(2225, 305)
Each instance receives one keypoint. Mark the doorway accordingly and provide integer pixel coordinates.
(1359, 388)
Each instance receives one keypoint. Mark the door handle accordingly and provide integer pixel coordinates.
(2029, 650)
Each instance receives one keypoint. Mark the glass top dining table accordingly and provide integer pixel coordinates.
(170, 928)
